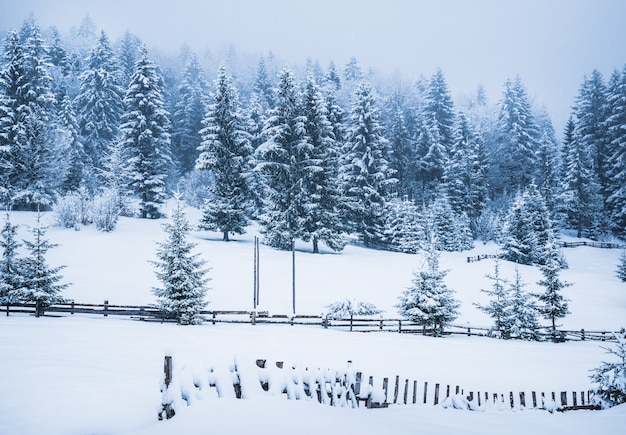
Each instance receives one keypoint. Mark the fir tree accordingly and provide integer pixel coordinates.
(523, 311)
(429, 301)
(404, 230)
(554, 304)
(610, 377)
(10, 273)
(146, 138)
(189, 112)
(40, 282)
(226, 152)
(621, 267)
(280, 159)
(499, 305)
(320, 174)
(181, 272)
(99, 100)
(365, 174)
(616, 152)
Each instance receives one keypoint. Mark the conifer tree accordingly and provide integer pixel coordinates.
(99, 100)
(145, 128)
(616, 152)
(365, 174)
(610, 377)
(404, 228)
(40, 282)
(181, 273)
(189, 112)
(281, 159)
(554, 304)
(226, 152)
(10, 273)
(523, 311)
(429, 301)
(499, 305)
(320, 174)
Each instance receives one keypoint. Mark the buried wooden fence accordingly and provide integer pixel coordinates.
(346, 388)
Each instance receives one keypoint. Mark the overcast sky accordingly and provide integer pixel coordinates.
(551, 44)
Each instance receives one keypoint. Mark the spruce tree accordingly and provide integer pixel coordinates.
(40, 282)
(145, 136)
(365, 173)
(554, 304)
(189, 112)
(499, 305)
(616, 151)
(280, 160)
(404, 227)
(610, 377)
(226, 152)
(181, 273)
(322, 209)
(429, 301)
(99, 100)
(10, 273)
(523, 313)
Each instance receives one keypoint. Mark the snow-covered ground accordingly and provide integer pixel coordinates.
(83, 375)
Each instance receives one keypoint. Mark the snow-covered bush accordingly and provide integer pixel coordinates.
(611, 376)
(348, 308)
(73, 209)
(106, 210)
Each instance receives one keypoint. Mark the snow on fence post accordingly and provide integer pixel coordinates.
(168, 409)
(395, 389)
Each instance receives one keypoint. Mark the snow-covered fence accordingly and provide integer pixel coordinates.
(344, 387)
(604, 245)
(480, 257)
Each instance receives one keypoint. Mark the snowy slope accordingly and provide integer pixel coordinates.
(78, 375)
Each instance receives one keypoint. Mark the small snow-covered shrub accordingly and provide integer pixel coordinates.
(621, 267)
(611, 376)
(346, 309)
(69, 210)
(106, 210)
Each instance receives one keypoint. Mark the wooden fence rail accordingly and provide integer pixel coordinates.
(346, 388)
(352, 324)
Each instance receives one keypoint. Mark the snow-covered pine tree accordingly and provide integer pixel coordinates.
(189, 111)
(523, 311)
(99, 100)
(514, 157)
(29, 140)
(404, 229)
(429, 301)
(280, 159)
(365, 174)
(40, 282)
(466, 171)
(500, 304)
(450, 231)
(554, 304)
(75, 155)
(332, 76)
(182, 273)
(610, 377)
(226, 152)
(549, 165)
(145, 130)
(322, 221)
(616, 167)
(621, 267)
(10, 273)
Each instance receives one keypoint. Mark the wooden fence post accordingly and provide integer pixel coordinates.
(436, 401)
(385, 387)
(414, 392)
(425, 391)
(167, 409)
(395, 390)
(406, 391)
(368, 404)
(563, 398)
(106, 308)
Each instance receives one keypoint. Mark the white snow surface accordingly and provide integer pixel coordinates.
(95, 375)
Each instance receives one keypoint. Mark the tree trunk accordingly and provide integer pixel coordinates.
(316, 249)
(226, 238)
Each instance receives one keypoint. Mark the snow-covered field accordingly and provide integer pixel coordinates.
(87, 375)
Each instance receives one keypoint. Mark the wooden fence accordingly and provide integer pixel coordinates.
(352, 324)
(346, 388)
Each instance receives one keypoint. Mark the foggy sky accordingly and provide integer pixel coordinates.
(550, 44)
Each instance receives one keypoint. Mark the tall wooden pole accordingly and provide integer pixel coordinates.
(254, 292)
(258, 271)
(293, 275)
